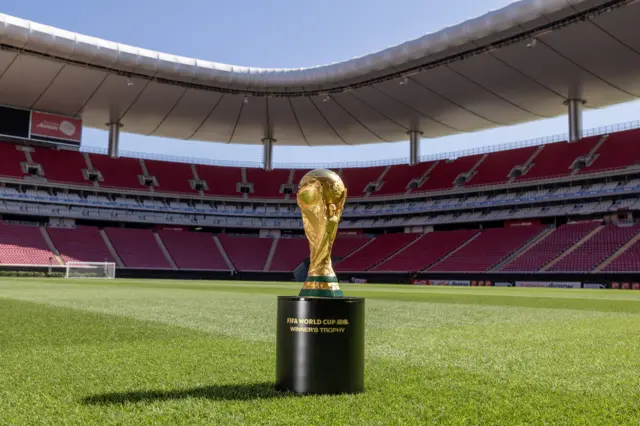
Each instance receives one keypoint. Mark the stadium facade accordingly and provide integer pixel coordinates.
(560, 212)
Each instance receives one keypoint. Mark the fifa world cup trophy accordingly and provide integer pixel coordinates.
(321, 198)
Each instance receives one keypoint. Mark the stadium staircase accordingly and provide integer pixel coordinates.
(571, 249)
(356, 250)
(52, 247)
(224, 254)
(622, 250)
(272, 252)
(164, 251)
(524, 249)
(111, 249)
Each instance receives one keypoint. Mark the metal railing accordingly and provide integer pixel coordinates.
(603, 130)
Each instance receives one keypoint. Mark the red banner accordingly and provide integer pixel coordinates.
(56, 126)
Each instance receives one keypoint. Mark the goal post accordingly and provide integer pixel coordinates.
(90, 270)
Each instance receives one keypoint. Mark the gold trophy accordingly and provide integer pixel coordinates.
(321, 197)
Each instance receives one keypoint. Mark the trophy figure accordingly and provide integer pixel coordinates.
(321, 197)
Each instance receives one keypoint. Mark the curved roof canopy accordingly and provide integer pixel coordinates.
(513, 65)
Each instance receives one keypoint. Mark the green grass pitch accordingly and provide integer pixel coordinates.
(184, 352)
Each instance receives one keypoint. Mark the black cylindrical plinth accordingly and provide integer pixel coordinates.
(320, 345)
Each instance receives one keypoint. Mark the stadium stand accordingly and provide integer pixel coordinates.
(397, 178)
(137, 248)
(81, 244)
(550, 247)
(488, 249)
(246, 253)
(220, 180)
(193, 250)
(266, 184)
(555, 159)
(357, 179)
(445, 173)
(61, 166)
(497, 166)
(627, 261)
(171, 177)
(347, 244)
(118, 173)
(596, 249)
(426, 251)
(290, 252)
(375, 252)
(619, 150)
(23, 245)
(10, 159)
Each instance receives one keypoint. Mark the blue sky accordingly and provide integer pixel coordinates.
(283, 33)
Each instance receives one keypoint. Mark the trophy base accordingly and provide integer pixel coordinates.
(320, 345)
(320, 293)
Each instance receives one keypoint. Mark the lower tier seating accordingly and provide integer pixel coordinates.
(193, 250)
(23, 245)
(627, 261)
(488, 249)
(137, 248)
(246, 253)
(81, 244)
(550, 247)
(375, 252)
(596, 249)
(289, 253)
(427, 250)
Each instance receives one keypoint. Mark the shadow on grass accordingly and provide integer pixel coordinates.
(242, 392)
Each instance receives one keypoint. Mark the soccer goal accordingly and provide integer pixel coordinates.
(91, 270)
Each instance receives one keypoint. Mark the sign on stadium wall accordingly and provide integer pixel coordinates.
(456, 283)
(57, 127)
(39, 126)
(549, 284)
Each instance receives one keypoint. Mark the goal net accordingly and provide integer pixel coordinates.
(91, 270)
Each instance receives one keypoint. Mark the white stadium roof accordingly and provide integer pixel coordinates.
(513, 65)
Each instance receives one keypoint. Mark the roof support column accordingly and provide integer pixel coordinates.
(267, 158)
(414, 147)
(114, 139)
(575, 118)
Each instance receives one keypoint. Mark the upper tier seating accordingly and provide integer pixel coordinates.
(23, 245)
(627, 261)
(555, 159)
(10, 159)
(137, 248)
(395, 181)
(246, 253)
(266, 184)
(290, 252)
(118, 173)
(81, 244)
(193, 250)
(596, 249)
(357, 179)
(497, 166)
(619, 150)
(550, 247)
(443, 175)
(220, 180)
(61, 166)
(373, 253)
(171, 177)
(489, 248)
(426, 251)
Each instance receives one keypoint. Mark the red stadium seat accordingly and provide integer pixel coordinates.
(81, 244)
